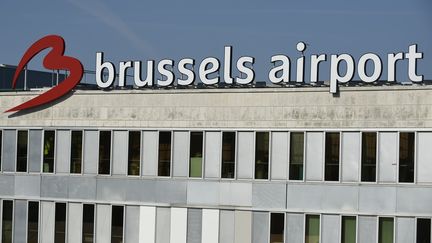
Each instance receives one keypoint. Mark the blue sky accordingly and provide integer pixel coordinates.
(142, 30)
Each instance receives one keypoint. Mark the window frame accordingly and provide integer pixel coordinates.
(202, 154)
(304, 156)
(235, 154)
(94, 219)
(377, 158)
(55, 151)
(414, 182)
(141, 151)
(378, 227)
(110, 156)
(320, 225)
(82, 152)
(284, 226)
(111, 223)
(356, 226)
(39, 218)
(171, 154)
(269, 155)
(339, 132)
(28, 150)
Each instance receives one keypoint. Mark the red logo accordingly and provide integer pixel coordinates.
(54, 60)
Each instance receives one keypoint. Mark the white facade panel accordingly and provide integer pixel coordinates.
(35, 150)
(210, 226)
(178, 225)
(351, 156)
(314, 156)
(63, 151)
(120, 152)
(9, 150)
(181, 154)
(245, 155)
(226, 226)
(367, 229)
(147, 224)
(150, 153)
(212, 154)
(103, 223)
(405, 230)
(20, 221)
(330, 227)
(279, 155)
(387, 156)
(243, 227)
(163, 224)
(132, 220)
(424, 157)
(75, 222)
(91, 152)
(47, 222)
(294, 228)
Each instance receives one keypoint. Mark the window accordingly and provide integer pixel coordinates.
(134, 153)
(385, 231)
(164, 164)
(1, 140)
(349, 228)
(277, 226)
(33, 222)
(312, 229)
(88, 223)
(117, 224)
(332, 140)
(48, 151)
(104, 152)
(7, 221)
(228, 154)
(261, 155)
(423, 231)
(196, 154)
(296, 156)
(60, 222)
(22, 144)
(368, 159)
(76, 152)
(406, 157)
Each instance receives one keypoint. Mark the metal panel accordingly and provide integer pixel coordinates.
(203, 193)
(194, 225)
(20, 221)
(279, 155)
(171, 192)
(269, 195)
(47, 222)
(27, 185)
(75, 222)
(236, 194)
(405, 230)
(351, 155)
(245, 155)
(377, 200)
(63, 151)
(91, 152)
(330, 226)
(53, 186)
(243, 227)
(227, 226)
(411, 200)
(7, 185)
(210, 226)
(132, 225)
(103, 223)
(294, 228)
(181, 154)
(83, 188)
(35, 150)
(163, 222)
(150, 153)
(120, 152)
(147, 224)
(367, 229)
(314, 156)
(138, 190)
(213, 154)
(424, 157)
(9, 151)
(178, 225)
(111, 189)
(388, 156)
(260, 227)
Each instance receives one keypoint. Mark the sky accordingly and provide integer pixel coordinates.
(154, 30)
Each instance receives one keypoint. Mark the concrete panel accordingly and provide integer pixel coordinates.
(367, 229)
(314, 156)
(7, 185)
(82, 188)
(227, 226)
(387, 156)
(139, 190)
(243, 227)
(111, 189)
(294, 228)
(47, 222)
(150, 153)
(35, 151)
(171, 191)
(147, 224)
(236, 194)
(132, 226)
(120, 152)
(9, 150)
(213, 154)
(245, 155)
(411, 200)
(103, 223)
(269, 195)
(279, 155)
(203, 193)
(194, 225)
(330, 228)
(91, 152)
(163, 223)
(181, 154)
(27, 185)
(178, 225)
(424, 157)
(20, 221)
(260, 227)
(377, 199)
(351, 155)
(53, 186)
(75, 222)
(405, 230)
(210, 226)
(63, 151)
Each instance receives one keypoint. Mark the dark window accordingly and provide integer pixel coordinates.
(48, 151)
(385, 230)
(406, 157)
(332, 156)
(22, 151)
(60, 222)
(164, 164)
(296, 156)
(134, 153)
(312, 234)
(117, 224)
(33, 222)
(196, 154)
(228, 154)
(88, 223)
(104, 152)
(261, 155)
(7, 221)
(349, 228)
(423, 231)
(76, 151)
(277, 226)
(368, 161)
(1, 140)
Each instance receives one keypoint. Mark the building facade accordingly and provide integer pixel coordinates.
(232, 165)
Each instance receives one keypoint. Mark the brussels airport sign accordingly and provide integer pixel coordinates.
(209, 68)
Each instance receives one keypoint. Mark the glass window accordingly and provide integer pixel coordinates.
(406, 157)
(33, 222)
(1, 140)
(76, 151)
(196, 154)
(423, 231)
(296, 156)
(228, 154)
(385, 231)
(368, 159)
(104, 152)
(88, 223)
(7, 221)
(134, 154)
(312, 229)
(261, 155)
(332, 156)
(60, 222)
(117, 224)
(277, 226)
(48, 151)
(164, 164)
(349, 228)
(22, 144)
